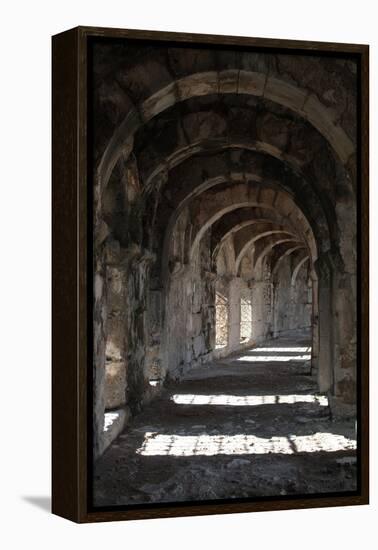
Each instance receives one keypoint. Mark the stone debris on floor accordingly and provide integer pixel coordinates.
(234, 429)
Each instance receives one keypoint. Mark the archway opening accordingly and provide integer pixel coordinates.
(224, 262)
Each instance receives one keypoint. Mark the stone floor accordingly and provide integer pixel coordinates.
(249, 425)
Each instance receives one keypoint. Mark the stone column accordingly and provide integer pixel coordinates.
(326, 323)
(315, 327)
(234, 293)
(99, 328)
(109, 341)
(115, 366)
(346, 335)
(337, 333)
(258, 310)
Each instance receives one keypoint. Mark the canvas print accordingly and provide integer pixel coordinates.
(225, 272)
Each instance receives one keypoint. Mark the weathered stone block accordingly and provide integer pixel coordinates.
(197, 85)
(115, 384)
(199, 345)
(228, 81)
(160, 101)
(113, 424)
(251, 83)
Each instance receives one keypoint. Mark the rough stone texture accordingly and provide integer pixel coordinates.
(114, 423)
(220, 171)
(292, 302)
(223, 433)
(115, 384)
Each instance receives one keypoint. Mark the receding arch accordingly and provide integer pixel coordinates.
(269, 247)
(284, 255)
(223, 172)
(297, 269)
(258, 237)
(186, 190)
(276, 200)
(218, 145)
(254, 220)
(300, 101)
(215, 209)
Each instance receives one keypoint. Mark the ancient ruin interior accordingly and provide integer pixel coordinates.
(224, 272)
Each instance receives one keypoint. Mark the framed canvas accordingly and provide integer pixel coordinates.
(210, 274)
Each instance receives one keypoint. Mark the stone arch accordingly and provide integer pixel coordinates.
(277, 177)
(171, 207)
(297, 269)
(214, 208)
(251, 83)
(268, 248)
(252, 240)
(290, 250)
(238, 220)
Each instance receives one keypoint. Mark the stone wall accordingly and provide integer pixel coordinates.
(217, 169)
(292, 300)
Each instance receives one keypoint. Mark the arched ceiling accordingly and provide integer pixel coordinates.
(253, 146)
(143, 91)
(284, 251)
(298, 266)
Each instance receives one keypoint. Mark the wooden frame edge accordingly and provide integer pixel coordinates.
(364, 282)
(69, 297)
(64, 269)
(227, 40)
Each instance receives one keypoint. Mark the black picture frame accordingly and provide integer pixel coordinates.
(73, 288)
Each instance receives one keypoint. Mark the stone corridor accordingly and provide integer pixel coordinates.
(250, 425)
(224, 220)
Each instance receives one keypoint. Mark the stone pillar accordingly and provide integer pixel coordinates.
(115, 366)
(109, 341)
(153, 367)
(99, 329)
(345, 307)
(346, 335)
(276, 308)
(326, 324)
(182, 307)
(234, 294)
(258, 310)
(315, 327)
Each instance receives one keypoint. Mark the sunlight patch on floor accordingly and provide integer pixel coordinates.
(247, 400)
(156, 444)
(271, 358)
(283, 350)
(109, 419)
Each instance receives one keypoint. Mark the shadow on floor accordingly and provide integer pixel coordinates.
(236, 428)
(41, 502)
